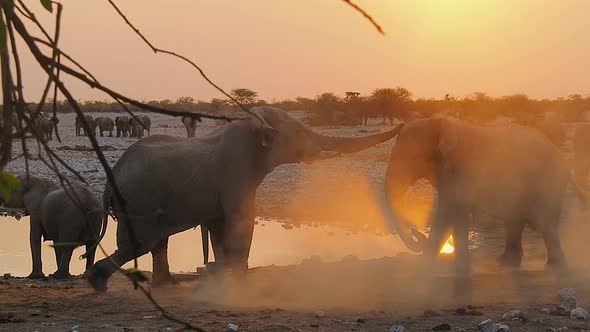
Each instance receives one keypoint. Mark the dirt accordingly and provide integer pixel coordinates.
(352, 295)
(345, 296)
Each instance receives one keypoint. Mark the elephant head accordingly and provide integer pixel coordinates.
(28, 194)
(289, 141)
(424, 148)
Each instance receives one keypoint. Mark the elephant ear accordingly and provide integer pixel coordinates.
(266, 132)
(448, 143)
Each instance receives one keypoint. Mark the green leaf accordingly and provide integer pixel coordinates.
(8, 183)
(135, 275)
(2, 34)
(48, 5)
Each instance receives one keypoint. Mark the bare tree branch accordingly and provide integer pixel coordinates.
(366, 15)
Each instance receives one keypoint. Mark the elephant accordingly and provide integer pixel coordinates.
(552, 129)
(512, 173)
(171, 184)
(123, 127)
(581, 142)
(190, 124)
(69, 217)
(139, 124)
(105, 124)
(91, 123)
(47, 126)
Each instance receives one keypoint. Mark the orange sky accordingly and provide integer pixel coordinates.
(289, 48)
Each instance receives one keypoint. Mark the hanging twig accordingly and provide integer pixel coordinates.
(365, 14)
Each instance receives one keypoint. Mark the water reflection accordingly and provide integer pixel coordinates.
(273, 244)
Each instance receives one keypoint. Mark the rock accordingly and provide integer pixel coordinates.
(579, 313)
(397, 328)
(320, 314)
(148, 317)
(442, 327)
(546, 311)
(567, 293)
(568, 300)
(502, 328)
(231, 328)
(314, 325)
(487, 326)
(538, 321)
(361, 320)
(75, 328)
(559, 329)
(514, 315)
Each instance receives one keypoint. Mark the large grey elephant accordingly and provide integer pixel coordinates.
(123, 127)
(171, 184)
(105, 124)
(190, 124)
(91, 123)
(581, 142)
(511, 173)
(56, 215)
(138, 124)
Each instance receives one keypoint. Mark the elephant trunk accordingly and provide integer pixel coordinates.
(354, 144)
(395, 189)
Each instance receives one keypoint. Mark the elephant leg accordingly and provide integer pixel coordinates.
(239, 231)
(35, 243)
(216, 231)
(58, 252)
(101, 134)
(100, 272)
(111, 133)
(161, 270)
(90, 254)
(63, 270)
(513, 251)
(555, 255)
(463, 283)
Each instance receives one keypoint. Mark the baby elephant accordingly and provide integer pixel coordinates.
(69, 217)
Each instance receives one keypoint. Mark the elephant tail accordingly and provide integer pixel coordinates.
(105, 219)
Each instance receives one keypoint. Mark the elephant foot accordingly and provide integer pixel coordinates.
(36, 275)
(510, 261)
(96, 279)
(163, 280)
(556, 265)
(61, 275)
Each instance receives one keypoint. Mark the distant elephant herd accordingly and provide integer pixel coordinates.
(124, 126)
(172, 184)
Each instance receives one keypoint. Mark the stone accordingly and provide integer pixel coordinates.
(579, 313)
(546, 311)
(502, 328)
(568, 300)
(442, 327)
(320, 314)
(487, 326)
(231, 328)
(514, 315)
(397, 328)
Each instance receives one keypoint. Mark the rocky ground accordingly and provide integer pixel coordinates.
(352, 295)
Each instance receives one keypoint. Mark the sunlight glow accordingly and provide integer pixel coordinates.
(448, 247)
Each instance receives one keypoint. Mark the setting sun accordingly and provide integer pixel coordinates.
(448, 247)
